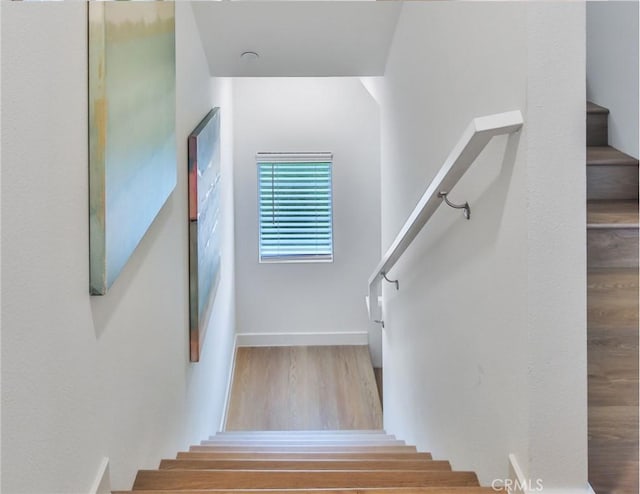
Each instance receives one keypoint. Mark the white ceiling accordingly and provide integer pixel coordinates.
(313, 38)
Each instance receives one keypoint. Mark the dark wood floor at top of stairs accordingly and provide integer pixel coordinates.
(303, 388)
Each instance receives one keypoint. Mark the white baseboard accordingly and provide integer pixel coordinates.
(523, 485)
(516, 476)
(302, 339)
(102, 482)
(227, 397)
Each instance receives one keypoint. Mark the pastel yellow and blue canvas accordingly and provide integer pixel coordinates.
(132, 128)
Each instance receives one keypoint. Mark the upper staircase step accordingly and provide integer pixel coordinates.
(248, 479)
(612, 247)
(184, 464)
(593, 108)
(611, 174)
(607, 155)
(597, 125)
(612, 214)
(612, 301)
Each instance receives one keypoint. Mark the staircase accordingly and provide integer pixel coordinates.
(612, 310)
(316, 462)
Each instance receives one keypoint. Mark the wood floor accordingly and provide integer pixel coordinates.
(304, 388)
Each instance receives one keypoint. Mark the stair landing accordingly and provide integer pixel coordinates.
(304, 388)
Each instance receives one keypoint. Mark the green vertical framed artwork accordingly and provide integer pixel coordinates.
(205, 235)
(132, 141)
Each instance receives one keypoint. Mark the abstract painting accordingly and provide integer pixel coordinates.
(132, 141)
(204, 226)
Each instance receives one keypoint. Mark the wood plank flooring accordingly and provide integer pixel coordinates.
(304, 388)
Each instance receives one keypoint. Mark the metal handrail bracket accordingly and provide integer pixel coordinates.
(474, 139)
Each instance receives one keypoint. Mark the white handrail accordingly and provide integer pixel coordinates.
(474, 139)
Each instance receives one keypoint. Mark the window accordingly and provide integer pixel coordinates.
(295, 213)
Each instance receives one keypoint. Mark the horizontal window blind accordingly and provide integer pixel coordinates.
(295, 209)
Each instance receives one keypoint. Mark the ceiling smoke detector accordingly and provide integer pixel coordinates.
(249, 56)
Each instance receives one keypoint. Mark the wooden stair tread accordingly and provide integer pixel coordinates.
(612, 282)
(362, 455)
(387, 490)
(612, 300)
(344, 432)
(612, 361)
(300, 438)
(614, 423)
(593, 108)
(612, 213)
(284, 443)
(616, 277)
(303, 449)
(303, 439)
(612, 246)
(251, 479)
(205, 464)
(607, 155)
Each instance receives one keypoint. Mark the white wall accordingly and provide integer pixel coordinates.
(307, 114)
(556, 286)
(612, 68)
(86, 378)
(488, 309)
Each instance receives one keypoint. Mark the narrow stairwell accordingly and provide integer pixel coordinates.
(315, 462)
(612, 310)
